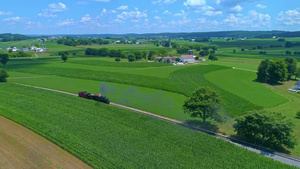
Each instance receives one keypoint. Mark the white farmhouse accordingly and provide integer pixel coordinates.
(187, 58)
(297, 85)
(14, 49)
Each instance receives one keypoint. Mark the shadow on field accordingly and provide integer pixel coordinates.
(200, 124)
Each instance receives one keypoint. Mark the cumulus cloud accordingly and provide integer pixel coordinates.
(237, 8)
(163, 2)
(261, 6)
(123, 7)
(53, 9)
(167, 12)
(290, 17)
(252, 20)
(182, 13)
(86, 18)
(66, 22)
(4, 13)
(133, 16)
(232, 3)
(14, 19)
(157, 17)
(195, 3)
(201, 7)
(82, 3)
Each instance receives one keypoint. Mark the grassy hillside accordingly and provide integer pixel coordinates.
(109, 137)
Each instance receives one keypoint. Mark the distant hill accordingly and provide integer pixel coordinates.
(13, 37)
(236, 34)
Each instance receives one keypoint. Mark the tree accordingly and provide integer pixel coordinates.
(288, 52)
(204, 103)
(144, 54)
(278, 71)
(212, 57)
(234, 51)
(177, 59)
(4, 58)
(297, 73)
(138, 55)
(117, 59)
(291, 66)
(131, 57)
(242, 49)
(288, 44)
(3, 75)
(151, 54)
(263, 71)
(266, 128)
(64, 57)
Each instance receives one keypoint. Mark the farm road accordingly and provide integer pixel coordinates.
(23, 148)
(293, 161)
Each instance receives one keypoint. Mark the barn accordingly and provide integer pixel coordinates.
(187, 58)
(297, 85)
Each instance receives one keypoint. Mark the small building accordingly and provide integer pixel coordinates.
(201, 59)
(165, 59)
(297, 85)
(191, 52)
(174, 59)
(157, 59)
(24, 50)
(187, 58)
(14, 49)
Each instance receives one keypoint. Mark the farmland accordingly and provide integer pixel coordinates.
(155, 87)
(108, 137)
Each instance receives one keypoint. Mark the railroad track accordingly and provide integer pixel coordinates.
(284, 158)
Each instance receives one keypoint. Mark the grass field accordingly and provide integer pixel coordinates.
(109, 137)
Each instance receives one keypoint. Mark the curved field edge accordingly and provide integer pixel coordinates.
(109, 137)
(242, 84)
(182, 81)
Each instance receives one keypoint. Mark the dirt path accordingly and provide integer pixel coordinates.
(22, 148)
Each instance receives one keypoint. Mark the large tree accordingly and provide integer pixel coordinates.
(3, 75)
(272, 71)
(266, 128)
(291, 66)
(4, 58)
(204, 103)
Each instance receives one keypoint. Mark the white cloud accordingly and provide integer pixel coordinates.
(232, 3)
(123, 7)
(212, 13)
(252, 20)
(53, 9)
(66, 22)
(157, 17)
(133, 16)
(3, 13)
(82, 3)
(290, 17)
(261, 6)
(86, 18)
(163, 1)
(167, 12)
(13, 19)
(195, 3)
(182, 13)
(237, 8)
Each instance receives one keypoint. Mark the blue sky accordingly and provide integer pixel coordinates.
(146, 16)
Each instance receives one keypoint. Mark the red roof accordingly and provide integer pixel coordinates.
(188, 56)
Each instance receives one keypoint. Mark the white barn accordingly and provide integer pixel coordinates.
(297, 85)
(187, 58)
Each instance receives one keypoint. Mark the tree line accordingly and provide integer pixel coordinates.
(69, 41)
(275, 70)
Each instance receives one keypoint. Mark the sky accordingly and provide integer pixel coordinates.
(45, 17)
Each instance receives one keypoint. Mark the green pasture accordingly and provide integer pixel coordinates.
(108, 137)
(242, 84)
(156, 101)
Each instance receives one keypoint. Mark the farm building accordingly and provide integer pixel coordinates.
(174, 58)
(165, 59)
(297, 85)
(201, 59)
(157, 59)
(187, 58)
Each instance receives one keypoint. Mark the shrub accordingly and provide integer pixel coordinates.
(3, 75)
(298, 114)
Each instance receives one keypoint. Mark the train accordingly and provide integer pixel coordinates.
(97, 97)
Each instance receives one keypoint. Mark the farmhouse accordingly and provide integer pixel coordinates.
(165, 59)
(297, 85)
(187, 58)
(201, 59)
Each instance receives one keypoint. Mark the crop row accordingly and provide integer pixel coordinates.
(109, 137)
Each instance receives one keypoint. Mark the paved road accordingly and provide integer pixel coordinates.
(293, 161)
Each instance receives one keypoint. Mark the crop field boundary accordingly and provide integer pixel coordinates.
(245, 69)
(284, 158)
(31, 77)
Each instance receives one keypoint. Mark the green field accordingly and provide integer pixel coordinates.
(108, 137)
(162, 88)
